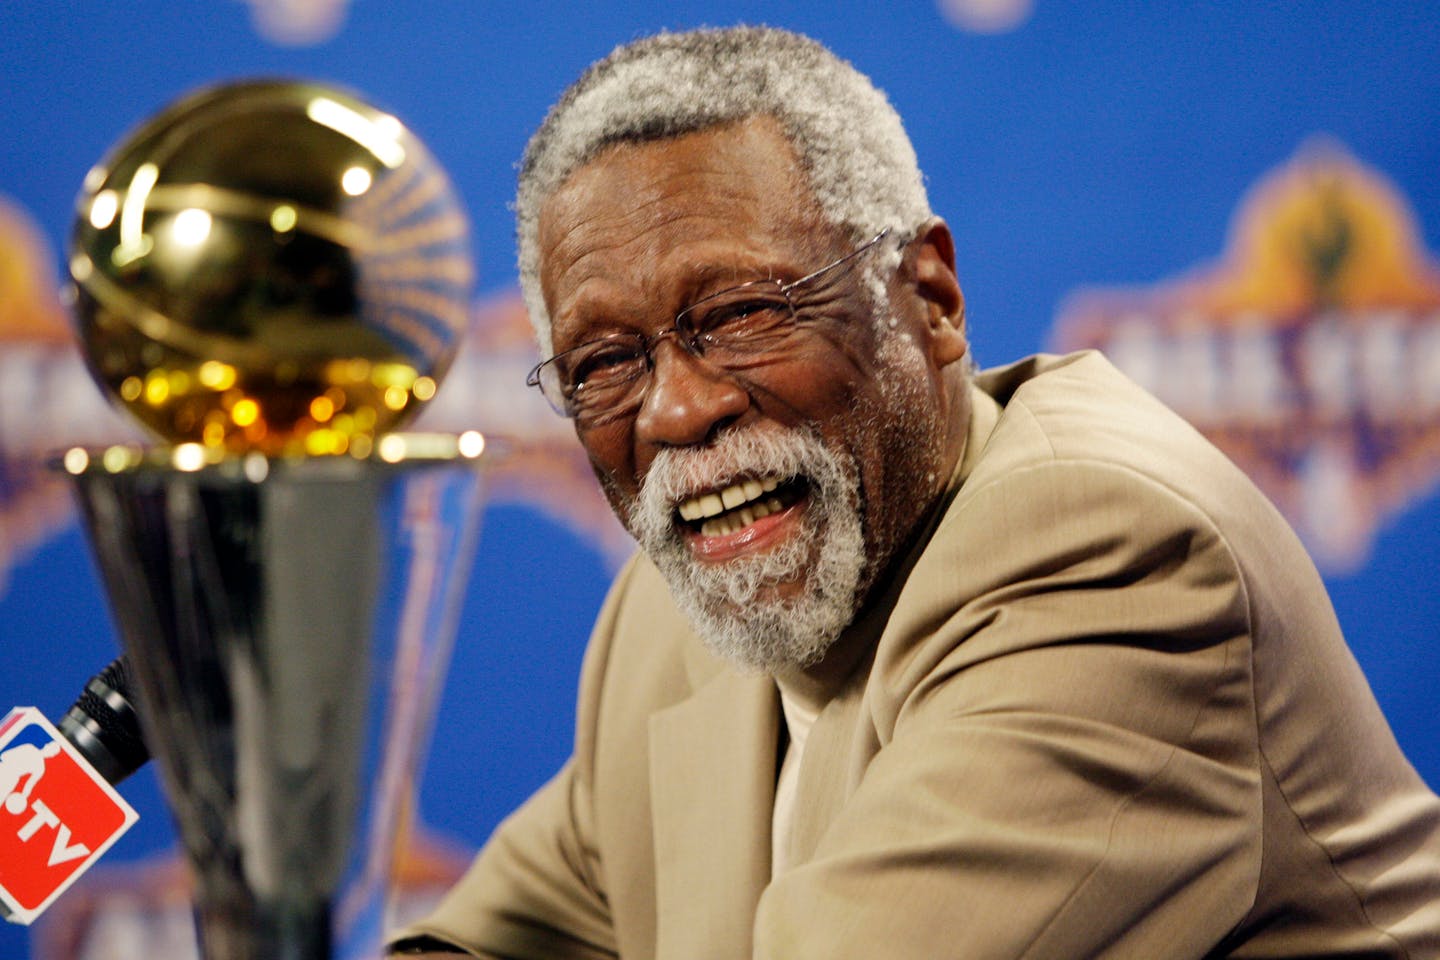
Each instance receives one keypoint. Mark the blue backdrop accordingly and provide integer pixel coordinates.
(1071, 146)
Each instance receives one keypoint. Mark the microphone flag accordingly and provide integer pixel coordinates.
(57, 814)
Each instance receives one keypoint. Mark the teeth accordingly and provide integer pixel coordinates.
(747, 494)
(746, 515)
(720, 526)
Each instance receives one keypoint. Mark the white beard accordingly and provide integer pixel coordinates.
(733, 604)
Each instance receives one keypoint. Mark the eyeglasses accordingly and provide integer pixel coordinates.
(605, 379)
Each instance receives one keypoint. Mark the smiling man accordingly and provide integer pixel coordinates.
(915, 661)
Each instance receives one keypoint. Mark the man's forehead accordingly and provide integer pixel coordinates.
(725, 194)
(742, 162)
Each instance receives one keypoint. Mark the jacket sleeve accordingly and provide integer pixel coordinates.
(527, 894)
(1065, 760)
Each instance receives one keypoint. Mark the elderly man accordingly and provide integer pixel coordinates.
(916, 661)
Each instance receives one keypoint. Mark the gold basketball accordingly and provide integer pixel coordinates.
(270, 266)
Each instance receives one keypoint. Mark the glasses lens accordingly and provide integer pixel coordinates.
(594, 377)
(746, 319)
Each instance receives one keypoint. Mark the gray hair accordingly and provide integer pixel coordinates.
(852, 147)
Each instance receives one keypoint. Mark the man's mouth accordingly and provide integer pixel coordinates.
(731, 509)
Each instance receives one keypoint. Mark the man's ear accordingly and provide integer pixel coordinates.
(935, 281)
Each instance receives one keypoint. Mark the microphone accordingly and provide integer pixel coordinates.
(59, 811)
(104, 726)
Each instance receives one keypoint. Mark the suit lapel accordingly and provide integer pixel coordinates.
(712, 788)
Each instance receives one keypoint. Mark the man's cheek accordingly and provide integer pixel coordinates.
(621, 502)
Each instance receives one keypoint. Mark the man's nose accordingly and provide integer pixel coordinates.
(688, 399)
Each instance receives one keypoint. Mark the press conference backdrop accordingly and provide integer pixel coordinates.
(1238, 201)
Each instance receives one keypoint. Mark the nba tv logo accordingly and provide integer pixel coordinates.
(57, 815)
(1309, 351)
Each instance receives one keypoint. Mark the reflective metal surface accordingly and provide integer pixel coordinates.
(287, 629)
(270, 265)
(272, 277)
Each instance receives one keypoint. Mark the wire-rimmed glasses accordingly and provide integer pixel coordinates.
(604, 379)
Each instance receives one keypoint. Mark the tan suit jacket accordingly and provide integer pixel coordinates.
(1109, 714)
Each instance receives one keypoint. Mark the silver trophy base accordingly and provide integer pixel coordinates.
(287, 623)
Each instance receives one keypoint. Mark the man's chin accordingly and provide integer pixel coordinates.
(765, 637)
(764, 612)
(778, 593)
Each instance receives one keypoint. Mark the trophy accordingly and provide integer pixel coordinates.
(273, 278)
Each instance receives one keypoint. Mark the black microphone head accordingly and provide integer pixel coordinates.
(116, 676)
(104, 726)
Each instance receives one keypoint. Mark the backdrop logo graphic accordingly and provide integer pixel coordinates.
(1310, 352)
(57, 815)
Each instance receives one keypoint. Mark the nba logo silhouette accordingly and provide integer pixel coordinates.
(57, 815)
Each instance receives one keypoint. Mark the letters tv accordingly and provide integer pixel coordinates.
(55, 818)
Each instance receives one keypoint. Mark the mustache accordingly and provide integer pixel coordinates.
(678, 473)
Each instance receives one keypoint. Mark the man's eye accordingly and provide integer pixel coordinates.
(741, 317)
(604, 365)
